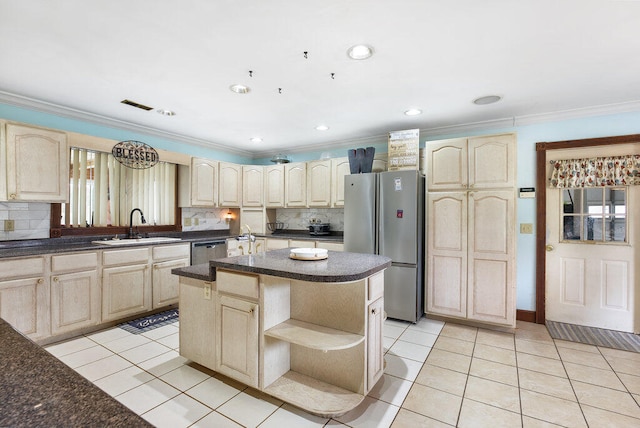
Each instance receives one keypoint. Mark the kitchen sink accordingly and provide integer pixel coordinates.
(152, 240)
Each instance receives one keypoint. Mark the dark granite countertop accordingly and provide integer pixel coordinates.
(338, 267)
(38, 390)
(202, 272)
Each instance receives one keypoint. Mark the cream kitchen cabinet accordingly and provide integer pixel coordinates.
(75, 292)
(198, 184)
(328, 245)
(253, 186)
(295, 193)
(276, 244)
(472, 163)
(255, 218)
(274, 186)
(301, 243)
(165, 285)
(35, 163)
(339, 169)
(24, 296)
(198, 321)
(471, 255)
(380, 162)
(319, 183)
(230, 185)
(126, 283)
(238, 320)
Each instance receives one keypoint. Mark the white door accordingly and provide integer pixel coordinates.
(590, 259)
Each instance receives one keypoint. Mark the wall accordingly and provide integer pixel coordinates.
(587, 123)
(31, 220)
(204, 219)
(298, 218)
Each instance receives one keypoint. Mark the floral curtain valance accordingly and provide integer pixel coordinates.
(596, 172)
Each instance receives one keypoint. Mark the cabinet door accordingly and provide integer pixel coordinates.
(252, 186)
(24, 304)
(319, 183)
(375, 348)
(274, 186)
(165, 284)
(126, 290)
(492, 161)
(276, 244)
(255, 218)
(339, 168)
(301, 243)
(75, 301)
(295, 185)
(204, 183)
(198, 321)
(491, 247)
(238, 339)
(447, 164)
(37, 164)
(332, 246)
(230, 188)
(447, 253)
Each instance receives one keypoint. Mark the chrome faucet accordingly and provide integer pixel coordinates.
(142, 220)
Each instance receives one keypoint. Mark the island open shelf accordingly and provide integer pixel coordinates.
(314, 336)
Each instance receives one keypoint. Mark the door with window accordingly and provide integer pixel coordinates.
(592, 249)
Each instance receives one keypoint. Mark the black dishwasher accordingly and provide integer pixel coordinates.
(202, 252)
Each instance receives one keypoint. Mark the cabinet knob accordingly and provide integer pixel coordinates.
(374, 311)
(55, 279)
(549, 247)
(40, 281)
(12, 196)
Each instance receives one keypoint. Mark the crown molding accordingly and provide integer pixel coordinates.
(577, 113)
(320, 147)
(70, 113)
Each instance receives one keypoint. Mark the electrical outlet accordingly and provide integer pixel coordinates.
(526, 228)
(196, 221)
(186, 221)
(207, 291)
(9, 225)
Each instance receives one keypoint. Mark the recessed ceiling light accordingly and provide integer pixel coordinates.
(322, 127)
(360, 52)
(256, 140)
(166, 112)
(489, 99)
(239, 89)
(413, 112)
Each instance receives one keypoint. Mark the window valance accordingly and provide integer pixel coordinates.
(596, 172)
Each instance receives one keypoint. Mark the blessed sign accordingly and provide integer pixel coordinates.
(135, 154)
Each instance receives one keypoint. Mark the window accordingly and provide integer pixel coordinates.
(597, 214)
(103, 192)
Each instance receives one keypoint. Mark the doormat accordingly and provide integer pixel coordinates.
(594, 336)
(150, 322)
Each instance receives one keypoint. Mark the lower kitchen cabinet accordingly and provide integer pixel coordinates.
(238, 339)
(331, 246)
(198, 323)
(75, 301)
(24, 296)
(126, 291)
(165, 285)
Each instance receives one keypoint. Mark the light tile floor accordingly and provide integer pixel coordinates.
(436, 375)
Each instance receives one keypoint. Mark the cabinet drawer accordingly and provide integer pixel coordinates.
(74, 262)
(125, 257)
(376, 286)
(163, 252)
(236, 283)
(21, 268)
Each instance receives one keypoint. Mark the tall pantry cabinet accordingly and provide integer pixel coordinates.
(471, 228)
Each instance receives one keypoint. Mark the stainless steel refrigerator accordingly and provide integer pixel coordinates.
(384, 214)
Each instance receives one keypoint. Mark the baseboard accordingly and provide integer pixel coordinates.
(527, 316)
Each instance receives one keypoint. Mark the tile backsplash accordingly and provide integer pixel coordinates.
(31, 220)
(299, 218)
(204, 219)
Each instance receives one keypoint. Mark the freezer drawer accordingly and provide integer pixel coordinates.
(403, 293)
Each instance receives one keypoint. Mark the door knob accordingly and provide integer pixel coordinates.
(549, 247)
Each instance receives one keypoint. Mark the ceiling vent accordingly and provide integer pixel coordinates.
(137, 105)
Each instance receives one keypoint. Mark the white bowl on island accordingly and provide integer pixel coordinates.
(308, 253)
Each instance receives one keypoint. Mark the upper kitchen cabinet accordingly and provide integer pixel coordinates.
(230, 185)
(252, 185)
(295, 192)
(380, 162)
(472, 163)
(274, 186)
(339, 169)
(319, 183)
(198, 184)
(37, 164)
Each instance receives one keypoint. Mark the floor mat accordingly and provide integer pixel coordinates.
(594, 336)
(150, 322)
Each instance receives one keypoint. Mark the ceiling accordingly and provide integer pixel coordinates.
(540, 56)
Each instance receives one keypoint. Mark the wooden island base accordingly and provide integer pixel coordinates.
(314, 344)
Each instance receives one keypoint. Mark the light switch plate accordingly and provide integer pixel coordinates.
(187, 221)
(207, 291)
(526, 228)
(9, 225)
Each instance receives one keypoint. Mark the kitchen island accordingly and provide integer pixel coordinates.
(306, 332)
